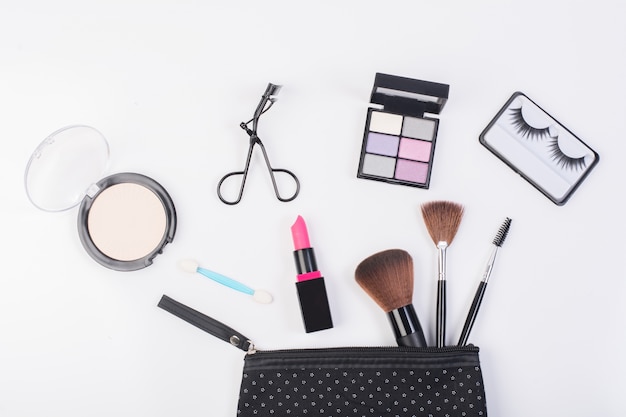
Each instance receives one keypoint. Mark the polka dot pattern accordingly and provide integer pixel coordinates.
(366, 383)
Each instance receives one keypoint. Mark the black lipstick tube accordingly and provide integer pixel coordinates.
(311, 292)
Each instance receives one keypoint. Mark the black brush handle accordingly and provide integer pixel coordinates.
(473, 312)
(441, 313)
(406, 327)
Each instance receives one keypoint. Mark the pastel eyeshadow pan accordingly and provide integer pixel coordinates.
(380, 144)
(398, 148)
(418, 128)
(380, 166)
(388, 123)
(416, 150)
(411, 171)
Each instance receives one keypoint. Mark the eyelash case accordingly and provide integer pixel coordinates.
(539, 148)
(399, 141)
(124, 219)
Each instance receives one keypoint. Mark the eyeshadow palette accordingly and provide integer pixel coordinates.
(399, 141)
(539, 148)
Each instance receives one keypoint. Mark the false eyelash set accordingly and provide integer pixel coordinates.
(547, 133)
(539, 148)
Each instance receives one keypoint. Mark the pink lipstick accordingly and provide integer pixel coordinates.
(310, 282)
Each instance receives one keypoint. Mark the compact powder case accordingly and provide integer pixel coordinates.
(539, 148)
(124, 219)
(399, 140)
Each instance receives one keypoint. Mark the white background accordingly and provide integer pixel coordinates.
(168, 82)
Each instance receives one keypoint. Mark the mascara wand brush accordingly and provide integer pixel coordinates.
(442, 219)
(387, 277)
(482, 286)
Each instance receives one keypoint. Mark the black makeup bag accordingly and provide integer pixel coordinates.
(358, 381)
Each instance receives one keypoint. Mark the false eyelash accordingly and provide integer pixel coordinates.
(574, 164)
(524, 129)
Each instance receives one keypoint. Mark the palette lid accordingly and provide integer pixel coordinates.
(64, 166)
(409, 96)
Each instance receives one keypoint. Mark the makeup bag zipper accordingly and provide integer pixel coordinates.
(377, 357)
(372, 350)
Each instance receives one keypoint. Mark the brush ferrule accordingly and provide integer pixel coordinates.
(490, 263)
(406, 326)
(441, 248)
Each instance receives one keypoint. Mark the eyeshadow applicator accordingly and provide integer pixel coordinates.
(480, 292)
(387, 277)
(260, 296)
(442, 219)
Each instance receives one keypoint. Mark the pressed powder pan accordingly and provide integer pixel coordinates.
(124, 220)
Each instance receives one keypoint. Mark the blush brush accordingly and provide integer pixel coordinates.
(442, 219)
(482, 286)
(387, 277)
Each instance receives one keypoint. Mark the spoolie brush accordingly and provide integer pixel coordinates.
(387, 277)
(442, 219)
(480, 292)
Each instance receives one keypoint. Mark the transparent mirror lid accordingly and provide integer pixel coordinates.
(64, 166)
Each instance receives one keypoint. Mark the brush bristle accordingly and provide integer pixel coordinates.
(387, 277)
(502, 232)
(442, 219)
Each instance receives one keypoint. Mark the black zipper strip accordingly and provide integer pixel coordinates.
(206, 323)
(365, 357)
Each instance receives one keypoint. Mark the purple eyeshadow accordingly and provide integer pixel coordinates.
(382, 144)
(411, 171)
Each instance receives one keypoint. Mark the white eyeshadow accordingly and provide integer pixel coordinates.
(385, 123)
(127, 221)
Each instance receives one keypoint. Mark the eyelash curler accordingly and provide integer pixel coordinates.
(267, 100)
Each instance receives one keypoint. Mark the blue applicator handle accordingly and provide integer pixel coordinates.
(260, 296)
(224, 280)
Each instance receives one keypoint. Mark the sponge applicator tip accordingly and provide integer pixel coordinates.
(188, 265)
(262, 296)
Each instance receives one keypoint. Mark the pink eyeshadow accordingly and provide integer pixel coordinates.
(411, 171)
(416, 150)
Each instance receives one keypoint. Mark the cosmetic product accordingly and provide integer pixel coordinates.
(482, 286)
(387, 277)
(399, 140)
(267, 100)
(442, 219)
(539, 148)
(310, 282)
(260, 296)
(124, 220)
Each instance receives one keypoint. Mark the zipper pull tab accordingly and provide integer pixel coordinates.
(251, 348)
(206, 323)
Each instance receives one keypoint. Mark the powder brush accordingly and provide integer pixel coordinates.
(387, 277)
(482, 286)
(442, 219)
